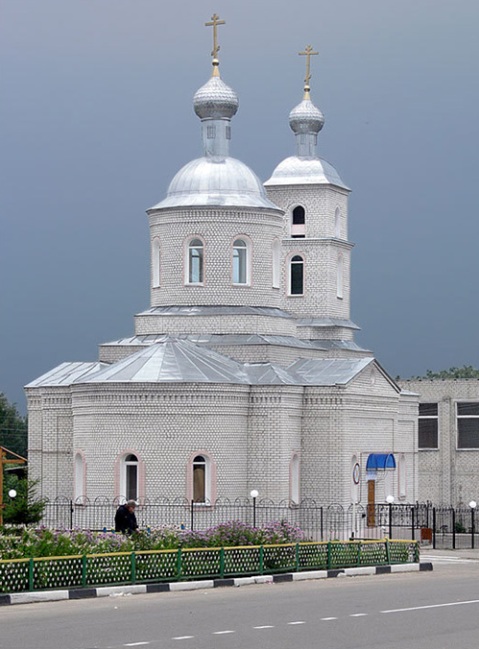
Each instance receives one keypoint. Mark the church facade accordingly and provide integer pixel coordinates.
(243, 373)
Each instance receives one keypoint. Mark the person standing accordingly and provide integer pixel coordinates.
(125, 519)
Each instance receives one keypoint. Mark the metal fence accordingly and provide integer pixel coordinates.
(442, 527)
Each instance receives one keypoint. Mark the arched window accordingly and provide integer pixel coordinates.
(200, 479)
(79, 468)
(298, 223)
(296, 275)
(129, 477)
(195, 262)
(402, 477)
(155, 262)
(337, 223)
(240, 262)
(276, 263)
(339, 277)
(294, 479)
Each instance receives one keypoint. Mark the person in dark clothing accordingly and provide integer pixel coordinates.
(125, 519)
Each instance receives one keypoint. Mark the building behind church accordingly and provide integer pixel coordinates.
(243, 373)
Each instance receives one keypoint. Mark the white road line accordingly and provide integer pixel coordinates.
(421, 608)
(326, 619)
(265, 626)
(183, 637)
(298, 622)
(135, 644)
(223, 632)
(358, 615)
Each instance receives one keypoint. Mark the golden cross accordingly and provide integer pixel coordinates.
(215, 21)
(308, 53)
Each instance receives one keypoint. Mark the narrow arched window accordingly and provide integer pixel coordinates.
(155, 262)
(296, 275)
(195, 261)
(240, 262)
(130, 477)
(337, 223)
(402, 477)
(294, 479)
(276, 263)
(339, 277)
(298, 222)
(199, 479)
(79, 492)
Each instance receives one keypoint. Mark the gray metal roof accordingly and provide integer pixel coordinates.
(66, 374)
(233, 339)
(208, 310)
(269, 374)
(327, 322)
(297, 170)
(173, 360)
(216, 181)
(326, 371)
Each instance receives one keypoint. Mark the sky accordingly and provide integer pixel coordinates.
(96, 118)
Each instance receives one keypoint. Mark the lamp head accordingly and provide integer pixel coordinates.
(254, 493)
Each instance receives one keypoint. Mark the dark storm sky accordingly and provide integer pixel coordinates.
(96, 117)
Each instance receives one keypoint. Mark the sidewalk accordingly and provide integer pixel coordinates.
(428, 550)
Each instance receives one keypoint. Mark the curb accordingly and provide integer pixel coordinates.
(117, 591)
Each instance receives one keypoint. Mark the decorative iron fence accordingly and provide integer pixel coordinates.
(443, 527)
(19, 575)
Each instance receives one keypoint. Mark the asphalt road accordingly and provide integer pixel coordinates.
(424, 610)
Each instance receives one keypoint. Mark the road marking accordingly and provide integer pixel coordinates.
(135, 644)
(326, 619)
(222, 632)
(265, 626)
(421, 608)
(358, 615)
(298, 622)
(445, 559)
(183, 637)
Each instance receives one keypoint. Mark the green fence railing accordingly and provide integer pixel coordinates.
(41, 573)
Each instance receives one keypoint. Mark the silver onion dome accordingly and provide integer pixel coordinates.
(306, 118)
(215, 100)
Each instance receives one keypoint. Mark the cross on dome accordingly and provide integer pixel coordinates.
(308, 53)
(215, 21)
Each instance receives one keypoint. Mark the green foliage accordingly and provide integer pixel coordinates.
(13, 427)
(466, 372)
(25, 508)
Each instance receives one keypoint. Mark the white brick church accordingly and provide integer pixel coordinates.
(243, 372)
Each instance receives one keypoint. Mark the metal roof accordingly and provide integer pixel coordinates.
(327, 371)
(297, 170)
(173, 360)
(207, 310)
(66, 374)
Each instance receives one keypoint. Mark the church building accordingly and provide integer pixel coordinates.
(243, 372)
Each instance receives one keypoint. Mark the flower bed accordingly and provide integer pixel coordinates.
(43, 542)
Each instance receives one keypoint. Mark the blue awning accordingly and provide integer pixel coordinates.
(380, 461)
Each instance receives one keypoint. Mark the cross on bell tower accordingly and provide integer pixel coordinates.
(308, 53)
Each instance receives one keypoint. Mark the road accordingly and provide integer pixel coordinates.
(423, 610)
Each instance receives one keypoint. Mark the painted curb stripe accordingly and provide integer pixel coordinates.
(105, 591)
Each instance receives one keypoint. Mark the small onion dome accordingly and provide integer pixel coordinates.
(306, 118)
(215, 100)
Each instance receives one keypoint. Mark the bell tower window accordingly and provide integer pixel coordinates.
(296, 275)
(298, 223)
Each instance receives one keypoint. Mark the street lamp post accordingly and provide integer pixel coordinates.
(390, 500)
(473, 506)
(254, 493)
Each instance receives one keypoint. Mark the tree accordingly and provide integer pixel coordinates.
(25, 508)
(465, 372)
(13, 427)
